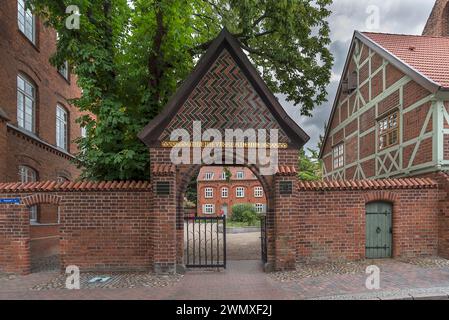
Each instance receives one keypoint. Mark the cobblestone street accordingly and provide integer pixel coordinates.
(245, 280)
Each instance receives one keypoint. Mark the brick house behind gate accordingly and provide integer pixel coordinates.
(216, 195)
(140, 226)
(37, 123)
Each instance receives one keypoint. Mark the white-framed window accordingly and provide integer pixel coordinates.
(223, 175)
(27, 174)
(61, 179)
(33, 214)
(61, 127)
(389, 131)
(208, 176)
(26, 104)
(258, 192)
(240, 192)
(208, 208)
(240, 175)
(26, 21)
(260, 207)
(208, 192)
(338, 156)
(224, 192)
(64, 70)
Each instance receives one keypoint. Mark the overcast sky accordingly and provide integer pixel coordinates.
(396, 16)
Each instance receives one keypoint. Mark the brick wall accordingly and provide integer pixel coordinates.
(21, 56)
(14, 238)
(438, 23)
(113, 226)
(106, 230)
(103, 226)
(332, 221)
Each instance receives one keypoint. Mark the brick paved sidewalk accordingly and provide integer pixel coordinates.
(245, 280)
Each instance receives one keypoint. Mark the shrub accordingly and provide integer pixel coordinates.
(244, 212)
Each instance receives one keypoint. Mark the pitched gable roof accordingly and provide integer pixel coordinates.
(225, 41)
(428, 55)
(425, 59)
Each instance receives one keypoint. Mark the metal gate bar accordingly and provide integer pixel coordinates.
(205, 242)
(263, 237)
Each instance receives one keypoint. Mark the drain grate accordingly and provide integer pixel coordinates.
(99, 279)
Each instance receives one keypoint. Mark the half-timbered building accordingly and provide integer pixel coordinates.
(390, 116)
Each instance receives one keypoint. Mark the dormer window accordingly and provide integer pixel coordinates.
(208, 176)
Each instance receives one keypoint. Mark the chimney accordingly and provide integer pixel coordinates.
(438, 22)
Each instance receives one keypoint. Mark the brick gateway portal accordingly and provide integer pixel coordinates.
(140, 225)
(224, 92)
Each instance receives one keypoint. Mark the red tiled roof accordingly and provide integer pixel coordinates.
(382, 184)
(218, 170)
(41, 186)
(427, 55)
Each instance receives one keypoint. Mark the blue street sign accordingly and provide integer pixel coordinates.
(10, 201)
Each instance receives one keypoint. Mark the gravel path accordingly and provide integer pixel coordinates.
(243, 246)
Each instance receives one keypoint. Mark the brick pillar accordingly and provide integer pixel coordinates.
(164, 218)
(285, 222)
(3, 147)
(14, 238)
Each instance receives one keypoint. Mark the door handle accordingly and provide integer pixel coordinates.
(378, 230)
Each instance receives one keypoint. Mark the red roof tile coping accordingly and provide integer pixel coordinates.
(163, 169)
(381, 184)
(46, 186)
(286, 170)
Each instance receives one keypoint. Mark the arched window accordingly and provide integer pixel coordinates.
(62, 179)
(26, 103)
(61, 127)
(27, 174)
(26, 21)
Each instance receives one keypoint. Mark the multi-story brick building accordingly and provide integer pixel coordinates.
(391, 114)
(37, 122)
(217, 195)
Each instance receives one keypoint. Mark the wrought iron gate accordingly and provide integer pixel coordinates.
(378, 230)
(205, 242)
(263, 237)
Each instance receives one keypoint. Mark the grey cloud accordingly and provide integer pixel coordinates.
(396, 16)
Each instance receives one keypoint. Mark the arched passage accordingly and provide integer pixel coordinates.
(246, 241)
(44, 231)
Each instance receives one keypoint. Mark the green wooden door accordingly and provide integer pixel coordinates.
(378, 230)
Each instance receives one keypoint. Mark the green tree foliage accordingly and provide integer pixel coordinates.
(130, 56)
(245, 213)
(310, 166)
